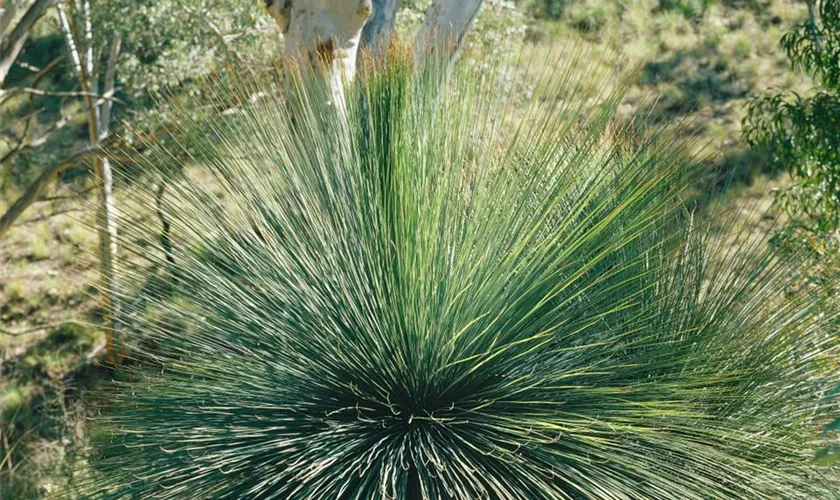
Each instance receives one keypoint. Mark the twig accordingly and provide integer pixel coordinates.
(48, 216)
(223, 39)
(45, 327)
(37, 187)
(74, 196)
(165, 239)
(9, 450)
(30, 67)
(97, 349)
(22, 144)
(20, 140)
(13, 43)
(8, 94)
(51, 93)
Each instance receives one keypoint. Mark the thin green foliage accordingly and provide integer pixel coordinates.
(802, 132)
(442, 293)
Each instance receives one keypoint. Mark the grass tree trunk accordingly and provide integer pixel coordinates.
(99, 117)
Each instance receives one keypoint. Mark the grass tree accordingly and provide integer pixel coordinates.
(450, 294)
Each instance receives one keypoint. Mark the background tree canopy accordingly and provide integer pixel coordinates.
(802, 130)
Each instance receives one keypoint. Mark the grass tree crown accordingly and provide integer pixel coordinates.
(451, 293)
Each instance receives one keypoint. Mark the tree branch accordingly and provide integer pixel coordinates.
(22, 144)
(10, 47)
(20, 140)
(100, 98)
(48, 199)
(7, 94)
(6, 18)
(7, 58)
(48, 216)
(30, 67)
(44, 327)
(33, 192)
(35, 143)
(222, 40)
(32, 14)
(812, 21)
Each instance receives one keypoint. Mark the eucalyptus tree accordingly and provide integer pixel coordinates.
(330, 32)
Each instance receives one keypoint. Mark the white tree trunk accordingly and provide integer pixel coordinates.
(380, 26)
(98, 127)
(327, 32)
(107, 210)
(445, 26)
